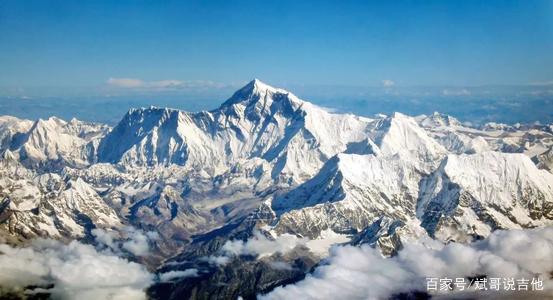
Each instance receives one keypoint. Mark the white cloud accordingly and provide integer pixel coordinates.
(259, 245)
(125, 82)
(105, 238)
(218, 260)
(139, 83)
(280, 265)
(461, 92)
(262, 246)
(168, 276)
(138, 243)
(542, 83)
(130, 239)
(362, 272)
(77, 271)
(169, 84)
(388, 83)
(541, 92)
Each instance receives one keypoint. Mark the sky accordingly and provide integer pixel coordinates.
(207, 49)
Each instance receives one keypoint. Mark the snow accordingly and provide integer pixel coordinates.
(490, 175)
(324, 175)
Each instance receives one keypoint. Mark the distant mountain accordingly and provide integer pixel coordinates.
(266, 162)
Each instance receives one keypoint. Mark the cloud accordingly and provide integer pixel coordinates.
(461, 92)
(218, 260)
(280, 265)
(129, 240)
(169, 84)
(542, 92)
(259, 245)
(388, 83)
(72, 271)
(126, 82)
(168, 276)
(139, 83)
(138, 243)
(105, 238)
(80, 271)
(362, 272)
(541, 83)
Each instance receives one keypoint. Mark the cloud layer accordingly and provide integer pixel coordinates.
(388, 83)
(76, 271)
(362, 273)
(169, 84)
(130, 240)
(259, 245)
(81, 271)
(168, 276)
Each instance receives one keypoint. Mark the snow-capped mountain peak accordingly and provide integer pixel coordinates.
(401, 135)
(257, 121)
(55, 141)
(438, 120)
(257, 91)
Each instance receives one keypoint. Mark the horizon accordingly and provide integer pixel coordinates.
(501, 107)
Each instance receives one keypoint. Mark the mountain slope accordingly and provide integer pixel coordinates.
(47, 205)
(348, 194)
(479, 193)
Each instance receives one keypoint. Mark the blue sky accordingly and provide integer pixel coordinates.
(84, 43)
(330, 52)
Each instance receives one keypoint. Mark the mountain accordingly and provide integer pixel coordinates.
(258, 121)
(348, 194)
(545, 160)
(268, 166)
(479, 193)
(54, 142)
(48, 205)
(12, 130)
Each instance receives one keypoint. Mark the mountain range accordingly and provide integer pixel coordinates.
(266, 165)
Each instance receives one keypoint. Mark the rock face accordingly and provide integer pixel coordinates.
(267, 161)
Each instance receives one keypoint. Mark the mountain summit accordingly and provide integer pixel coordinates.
(258, 100)
(255, 90)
